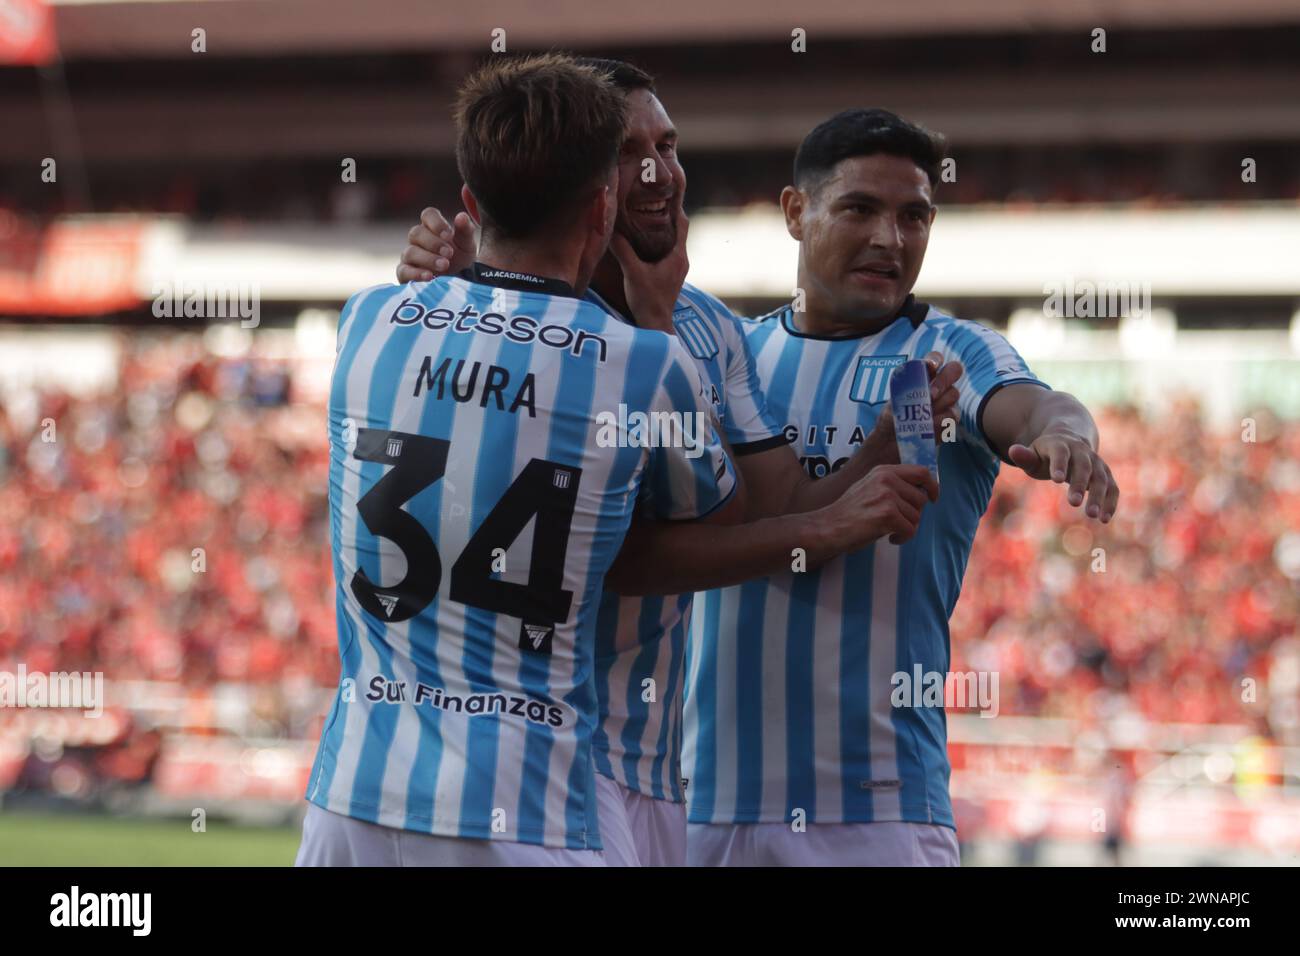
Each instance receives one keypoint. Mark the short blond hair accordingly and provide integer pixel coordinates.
(533, 134)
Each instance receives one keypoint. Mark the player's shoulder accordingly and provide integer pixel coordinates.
(374, 298)
(708, 328)
(593, 315)
(372, 295)
(695, 303)
(676, 352)
(693, 297)
(645, 353)
(958, 331)
(980, 347)
(759, 328)
(769, 318)
(360, 312)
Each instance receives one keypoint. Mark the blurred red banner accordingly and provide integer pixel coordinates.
(69, 268)
(26, 33)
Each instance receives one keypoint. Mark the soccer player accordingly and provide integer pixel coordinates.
(473, 511)
(641, 639)
(798, 748)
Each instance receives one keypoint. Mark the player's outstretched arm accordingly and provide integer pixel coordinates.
(778, 485)
(1050, 435)
(437, 247)
(677, 557)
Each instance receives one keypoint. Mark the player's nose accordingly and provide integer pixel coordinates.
(661, 183)
(886, 236)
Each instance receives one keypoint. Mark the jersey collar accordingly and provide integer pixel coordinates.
(912, 310)
(519, 281)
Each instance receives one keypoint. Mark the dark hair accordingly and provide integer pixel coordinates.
(864, 132)
(621, 73)
(532, 135)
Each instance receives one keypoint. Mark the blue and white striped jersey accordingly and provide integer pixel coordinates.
(478, 494)
(789, 678)
(641, 641)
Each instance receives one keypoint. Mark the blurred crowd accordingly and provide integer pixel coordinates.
(1185, 608)
(176, 530)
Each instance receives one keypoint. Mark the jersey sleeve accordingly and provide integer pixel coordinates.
(688, 473)
(747, 423)
(990, 363)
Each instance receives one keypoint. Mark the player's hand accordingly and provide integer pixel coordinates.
(437, 247)
(1065, 457)
(652, 288)
(943, 392)
(887, 502)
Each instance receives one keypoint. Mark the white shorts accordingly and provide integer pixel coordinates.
(638, 830)
(821, 844)
(331, 839)
(615, 828)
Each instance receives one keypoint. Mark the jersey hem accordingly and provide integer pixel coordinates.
(907, 814)
(645, 790)
(533, 836)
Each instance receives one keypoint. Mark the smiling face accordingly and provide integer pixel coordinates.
(647, 209)
(863, 230)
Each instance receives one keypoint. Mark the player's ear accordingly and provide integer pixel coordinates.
(471, 204)
(792, 205)
(602, 211)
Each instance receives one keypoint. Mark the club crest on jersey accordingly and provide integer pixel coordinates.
(871, 380)
(695, 334)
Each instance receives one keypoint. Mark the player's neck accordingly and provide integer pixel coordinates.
(607, 280)
(549, 263)
(820, 317)
(834, 327)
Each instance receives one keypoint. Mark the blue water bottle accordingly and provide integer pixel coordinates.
(909, 398)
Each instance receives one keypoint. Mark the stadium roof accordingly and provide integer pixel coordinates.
(100, 28)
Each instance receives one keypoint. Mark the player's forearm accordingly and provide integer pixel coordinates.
(1055, 413)
(809, 494)
(677, 558)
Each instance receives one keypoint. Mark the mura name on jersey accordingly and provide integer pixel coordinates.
(825, 448)
(460, 381)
